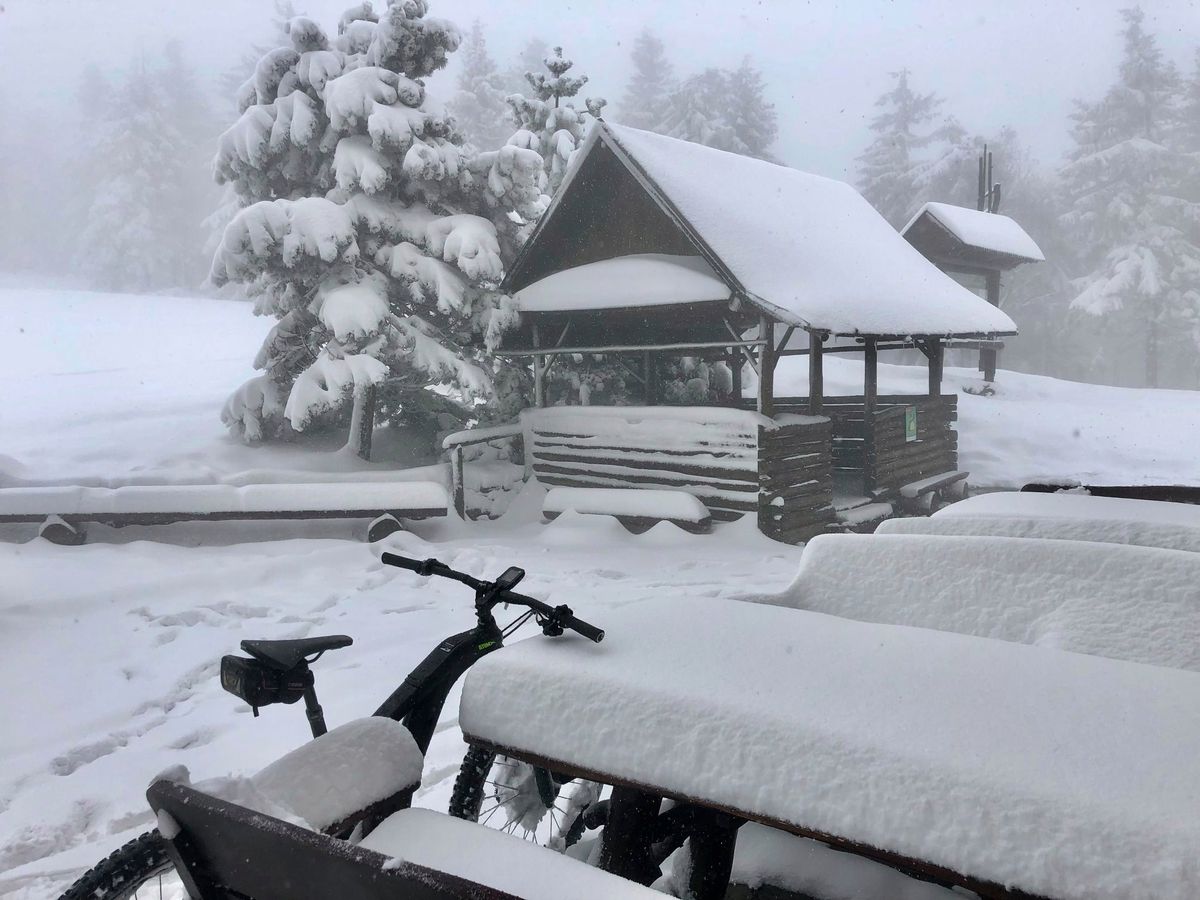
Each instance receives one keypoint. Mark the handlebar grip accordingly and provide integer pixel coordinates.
(420, 566)
(591, 632)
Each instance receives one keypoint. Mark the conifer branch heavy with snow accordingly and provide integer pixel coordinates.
(369, 231)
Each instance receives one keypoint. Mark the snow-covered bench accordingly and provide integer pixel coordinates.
(986, 762)
(1079, 517)
(636, 509)
(1134, 603)
(224, 849)
(62, 509)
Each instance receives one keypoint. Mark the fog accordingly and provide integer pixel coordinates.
(1019, 65)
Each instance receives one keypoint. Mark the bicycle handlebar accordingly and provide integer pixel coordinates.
(558, 617)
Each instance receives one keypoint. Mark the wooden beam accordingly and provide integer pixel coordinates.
(539, 374)
(816, 373)
(766, 366)
(735, 372)
(988, 357)
(629, 348)
(936, 354)
(870, 379)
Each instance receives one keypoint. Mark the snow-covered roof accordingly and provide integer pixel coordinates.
(808, 250)
(644, 279)
(982, 230)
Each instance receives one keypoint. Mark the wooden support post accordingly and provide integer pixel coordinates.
(937, 354)
(456, 480)
(539, 373)
(735, 375)
(816, 374)
(362, 421)
(625, 847)
(870, 380)
(766, 367)
(988, 356)
(713, 838)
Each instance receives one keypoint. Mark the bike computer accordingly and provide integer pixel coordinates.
(510, 579)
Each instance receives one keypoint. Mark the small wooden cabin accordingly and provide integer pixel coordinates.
(975, 243)
(658, 246)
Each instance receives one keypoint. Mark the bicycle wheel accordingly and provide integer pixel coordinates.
(519, 798)
(140, 869)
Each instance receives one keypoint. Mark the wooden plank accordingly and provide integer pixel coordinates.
(645, 465)
(648, 477)
(713, 502)
(562, 444)
(733, 441)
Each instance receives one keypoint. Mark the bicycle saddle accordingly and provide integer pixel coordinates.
(289, 654)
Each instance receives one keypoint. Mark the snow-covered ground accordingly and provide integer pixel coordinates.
(117, 389)
(108, 652)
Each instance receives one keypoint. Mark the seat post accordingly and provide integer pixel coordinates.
(316, 715)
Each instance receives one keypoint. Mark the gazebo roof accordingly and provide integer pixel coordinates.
(955, 235)
(808, 251)
(644, 279)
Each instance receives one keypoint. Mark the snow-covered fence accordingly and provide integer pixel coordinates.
(486, 469)
(885, 451)
(735, 461)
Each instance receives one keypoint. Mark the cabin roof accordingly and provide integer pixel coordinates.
(950, 234)
(807, 250)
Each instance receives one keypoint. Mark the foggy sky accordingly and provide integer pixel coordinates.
(1014, 62)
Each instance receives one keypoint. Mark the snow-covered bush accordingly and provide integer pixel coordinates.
(367, 229)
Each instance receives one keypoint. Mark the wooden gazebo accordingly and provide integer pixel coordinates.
(659, 246)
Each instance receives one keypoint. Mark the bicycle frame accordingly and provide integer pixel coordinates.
(418, 701)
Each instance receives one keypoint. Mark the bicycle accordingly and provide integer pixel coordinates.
(279, 672)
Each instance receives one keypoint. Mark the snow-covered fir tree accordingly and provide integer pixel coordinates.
(478, 103)
(723, 109)
(368, 231)
(1132, 212)
(647, 94)
(753, 123)
(548, 122)
(530, 58)
(916, 154)
(133, 214)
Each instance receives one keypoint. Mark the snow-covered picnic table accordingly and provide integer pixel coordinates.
(1052, 772)
(1133, 603)
(1068, 516)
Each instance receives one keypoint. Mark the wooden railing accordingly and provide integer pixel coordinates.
(795, 478)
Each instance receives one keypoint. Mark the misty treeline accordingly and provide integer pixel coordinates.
(1117, 301)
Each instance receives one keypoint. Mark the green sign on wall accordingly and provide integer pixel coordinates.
(910, 423)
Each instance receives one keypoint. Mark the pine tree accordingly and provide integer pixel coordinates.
(1126, 184)
(912, 154)
(647, 95)
(478, 104)
(528, 60)
(362, 231)
(697, 111)
(752, 120)
(724, 109)
(133, 214)
(547, 122)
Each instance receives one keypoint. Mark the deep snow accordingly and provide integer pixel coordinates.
(108, 652)
(109, 389)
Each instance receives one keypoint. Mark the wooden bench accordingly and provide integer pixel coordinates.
(980, 763)
(62, 510)
(225, 851)
(927, 495)
(638, 510)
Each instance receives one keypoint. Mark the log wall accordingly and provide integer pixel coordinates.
(880, 452)
(736, 462)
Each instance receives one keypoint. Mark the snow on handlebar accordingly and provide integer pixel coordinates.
(560, 616)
